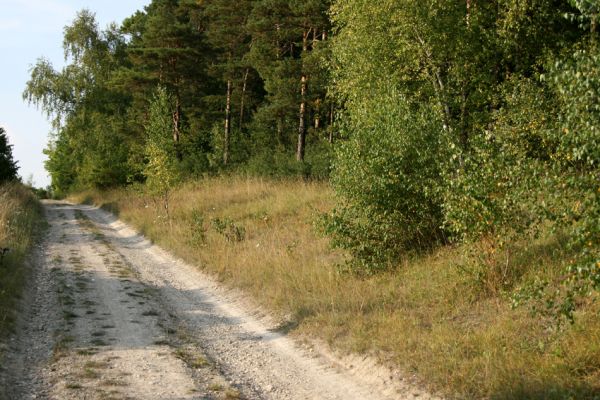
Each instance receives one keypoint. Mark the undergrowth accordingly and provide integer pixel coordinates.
(20, 217)
(442, 315)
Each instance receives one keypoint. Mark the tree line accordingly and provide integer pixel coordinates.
(435, 121)
(247, 84)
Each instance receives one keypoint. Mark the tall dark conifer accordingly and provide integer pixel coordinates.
(283, 35)
(166, 48)
(275, 55)
(8, 167)
(312, 17)
(227, 33)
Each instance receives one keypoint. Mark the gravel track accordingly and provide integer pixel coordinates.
(108, 315)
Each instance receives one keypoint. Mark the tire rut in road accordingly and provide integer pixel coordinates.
(113, 339)
(248, 350)
(125, 320)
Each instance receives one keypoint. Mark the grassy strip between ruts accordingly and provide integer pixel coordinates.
(20, 218)
(436, 315)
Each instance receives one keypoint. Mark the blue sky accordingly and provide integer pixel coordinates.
(30, 29)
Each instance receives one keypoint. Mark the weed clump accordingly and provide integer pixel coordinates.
(230, 230)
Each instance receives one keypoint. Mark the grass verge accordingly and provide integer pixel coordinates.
(20, 217)
(439, 316)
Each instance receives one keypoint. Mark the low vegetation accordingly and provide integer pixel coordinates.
(443, 315)
(20, 218)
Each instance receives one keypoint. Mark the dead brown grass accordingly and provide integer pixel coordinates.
(428, 317)
(20, 217)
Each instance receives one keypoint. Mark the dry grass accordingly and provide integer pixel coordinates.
(429, 317)
(20, 217)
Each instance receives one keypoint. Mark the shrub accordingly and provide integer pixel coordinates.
(230, 230)
(499, 189)
(162, 169)
(387, 179)
(576, 173)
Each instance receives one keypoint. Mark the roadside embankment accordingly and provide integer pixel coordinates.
(20, 218)
(440, 317)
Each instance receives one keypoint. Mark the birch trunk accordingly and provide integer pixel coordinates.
(468, 12)
(331, 121)
(303, 89)
(243, 98)
(177, 119)
(227, 135)
(302, 125)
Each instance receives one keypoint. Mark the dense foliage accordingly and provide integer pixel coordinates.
(439, 121)
(247, 90)
(387, 174)
(514, 87)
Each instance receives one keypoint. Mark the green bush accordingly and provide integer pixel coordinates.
(229, 229)
(576, 173)
(197, 229)
(497, 189)
(387, 177)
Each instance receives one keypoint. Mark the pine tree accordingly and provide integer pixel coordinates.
(167, 49)
(312, 17)
(8, 167)
(283, 35)
(227, 33)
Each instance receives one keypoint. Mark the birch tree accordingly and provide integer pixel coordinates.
(161, 170)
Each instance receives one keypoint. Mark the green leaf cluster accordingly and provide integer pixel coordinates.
(467, 121)
(161, 169)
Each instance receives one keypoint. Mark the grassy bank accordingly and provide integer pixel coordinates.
(438, 315)
(20, 217)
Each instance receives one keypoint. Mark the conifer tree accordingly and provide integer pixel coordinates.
(283, 35)
(227, 33)
(166, 48)
(8, 167)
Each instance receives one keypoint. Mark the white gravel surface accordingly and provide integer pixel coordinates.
(109, 315)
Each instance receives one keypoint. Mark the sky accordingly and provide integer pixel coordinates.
(30, 29)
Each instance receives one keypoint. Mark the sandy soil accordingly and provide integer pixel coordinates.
(108, 315)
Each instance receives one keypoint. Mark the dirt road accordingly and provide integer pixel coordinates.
(111, 316)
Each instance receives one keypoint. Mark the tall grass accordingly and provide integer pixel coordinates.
(20, 217)
(434, 316)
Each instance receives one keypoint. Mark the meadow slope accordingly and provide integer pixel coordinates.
(438, 316)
